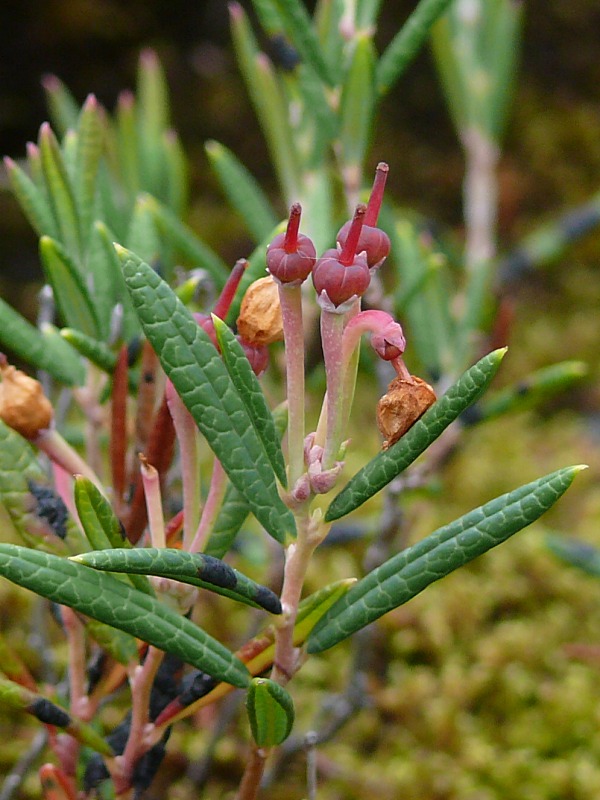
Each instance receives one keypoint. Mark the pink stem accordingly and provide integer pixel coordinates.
(290, 298)
(186, 432)
(218, 484)
(156, 522)
(332, 328)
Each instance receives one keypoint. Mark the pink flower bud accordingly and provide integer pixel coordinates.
(373, 241)
(257, 355)
(341, 274)
(291, 255)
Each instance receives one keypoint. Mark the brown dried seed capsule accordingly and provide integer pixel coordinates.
(402, 405)
(260, 319)
(23, 404)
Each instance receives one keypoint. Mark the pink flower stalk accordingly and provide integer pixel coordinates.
(387, 337)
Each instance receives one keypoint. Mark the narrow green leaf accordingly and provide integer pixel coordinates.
(37, 513)
(270, 712)
(126, 144)
(142, 235)
(407, 42)
(152, 122)
(62, 351)
(101, 525)
(32, 200)
(302, 34)
(409, 572)
(433, 340)
(108, 268)
(193, 364)
(246, 382)
(119, 645)
(16, 696)
(70, 292)
(98, 353)
(195, 569)
(185, 241)
(102, 597)
(389, 463)
(64, 109)
(268, 101)
(235, 508)
(576, 553)
(20, 337)
(60, 191)
(90, 143)
(357, 108)
(541, 384)
(176, 173)
(241, 190)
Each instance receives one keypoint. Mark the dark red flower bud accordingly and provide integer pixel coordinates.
(342, 274)
(291, 255)
(372, 240)
(206, 323)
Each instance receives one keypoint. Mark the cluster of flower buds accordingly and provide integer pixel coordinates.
(342, 273)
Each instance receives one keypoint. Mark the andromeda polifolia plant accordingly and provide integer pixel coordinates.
(179, 462)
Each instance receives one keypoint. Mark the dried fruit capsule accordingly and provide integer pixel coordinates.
(405, 401)
(23, 404)
(340, 275)
(291, 255)
(260, 321)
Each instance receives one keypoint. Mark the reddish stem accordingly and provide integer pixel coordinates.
(376, 196)
(346, 257)
(233, 281)
(290, 244)
(160, 453)
(118, 427)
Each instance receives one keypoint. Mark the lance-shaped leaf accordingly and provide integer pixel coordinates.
(389, 463)
(246, 382)
(407, 42)
(235, 509)
(357, 108)
(60, 190)
(16, 696)
(196, 369)
(63, 107)
(90, 143)
(101, 525)
(38, 515)
(299, 28)
(70, 292)
(97, 352)
(32, 200)
(270, 712)
(26, 341)
(242, 190)
(450, 547)
(101, 597)
(533, 389)
(576, 553)
(195, 569)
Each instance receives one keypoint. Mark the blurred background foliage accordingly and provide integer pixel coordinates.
(474, 693)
